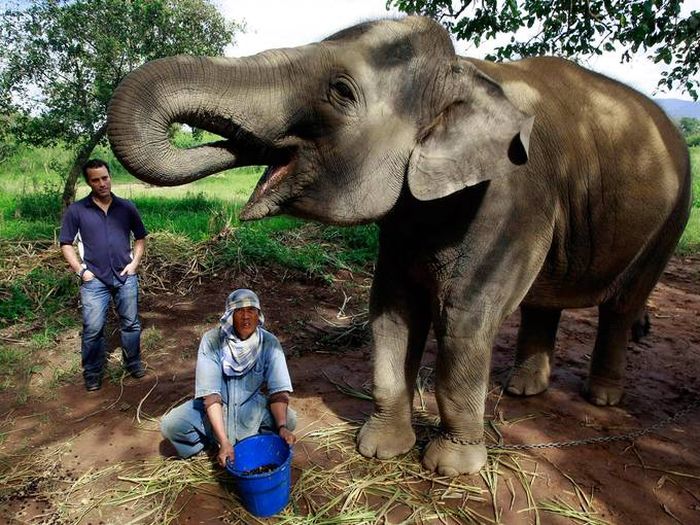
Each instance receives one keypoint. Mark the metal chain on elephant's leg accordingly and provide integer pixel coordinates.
(454, 439)
(600, 439)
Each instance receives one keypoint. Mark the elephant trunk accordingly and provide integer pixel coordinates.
(220, 95)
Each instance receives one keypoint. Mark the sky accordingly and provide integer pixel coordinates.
(290, 23)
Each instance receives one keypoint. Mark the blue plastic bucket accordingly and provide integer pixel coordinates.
(265, 493)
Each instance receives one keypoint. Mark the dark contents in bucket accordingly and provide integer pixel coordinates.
(260, 470)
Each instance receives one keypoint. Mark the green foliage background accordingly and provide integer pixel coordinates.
(691, 130)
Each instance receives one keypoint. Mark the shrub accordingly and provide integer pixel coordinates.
(41, 205)
(43, 292)
(693, 140)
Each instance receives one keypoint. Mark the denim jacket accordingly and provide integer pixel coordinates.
(244, 397)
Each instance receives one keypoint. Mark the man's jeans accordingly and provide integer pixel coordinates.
(95, 297)
(187, 427)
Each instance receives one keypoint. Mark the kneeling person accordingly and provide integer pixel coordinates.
(234, 363)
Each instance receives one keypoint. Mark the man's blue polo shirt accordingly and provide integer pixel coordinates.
(105, 236)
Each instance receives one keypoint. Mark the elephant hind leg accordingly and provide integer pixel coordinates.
(535, 351)
(641, 327)
(624, 315)
(605, 380)
(620, 318)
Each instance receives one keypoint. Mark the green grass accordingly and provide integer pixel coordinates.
(296, 245)
(42, 293)
(29, 209)
(690, 241)
(194, 215)
(14, 361)
(11, 358)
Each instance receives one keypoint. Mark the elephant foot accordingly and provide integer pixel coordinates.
(602, 391)
(530, 377)
(448, 458)
(384, 439)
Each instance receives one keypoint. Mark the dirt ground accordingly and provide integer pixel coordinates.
(654, 479)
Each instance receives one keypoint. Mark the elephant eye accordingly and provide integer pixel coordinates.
(343, 91)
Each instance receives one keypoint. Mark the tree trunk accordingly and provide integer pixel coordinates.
(76, 169)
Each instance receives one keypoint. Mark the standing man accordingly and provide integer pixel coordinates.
(102, 224)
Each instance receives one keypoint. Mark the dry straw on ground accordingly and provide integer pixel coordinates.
(335, 486)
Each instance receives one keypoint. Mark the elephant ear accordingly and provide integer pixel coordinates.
(474, 139)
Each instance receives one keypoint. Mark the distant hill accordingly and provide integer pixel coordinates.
(677, 109)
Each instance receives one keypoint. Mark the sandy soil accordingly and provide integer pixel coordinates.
(654, 479)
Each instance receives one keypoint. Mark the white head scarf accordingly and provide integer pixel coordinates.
(239, 356)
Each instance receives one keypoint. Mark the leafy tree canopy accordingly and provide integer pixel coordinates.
(690, 126)
(7, 139)
(575, 29)
(60, 60)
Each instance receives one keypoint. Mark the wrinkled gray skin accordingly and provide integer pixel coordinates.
(383, 122)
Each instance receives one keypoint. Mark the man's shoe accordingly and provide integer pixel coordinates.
(93, 384)
(138, 371)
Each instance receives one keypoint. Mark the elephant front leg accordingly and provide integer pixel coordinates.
(399, 331)
(462, 375)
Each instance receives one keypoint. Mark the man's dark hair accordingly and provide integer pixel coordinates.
(92, 164)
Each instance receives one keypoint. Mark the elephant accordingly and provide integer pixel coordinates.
(533, 184)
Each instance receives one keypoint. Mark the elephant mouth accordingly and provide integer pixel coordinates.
(271, 190)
